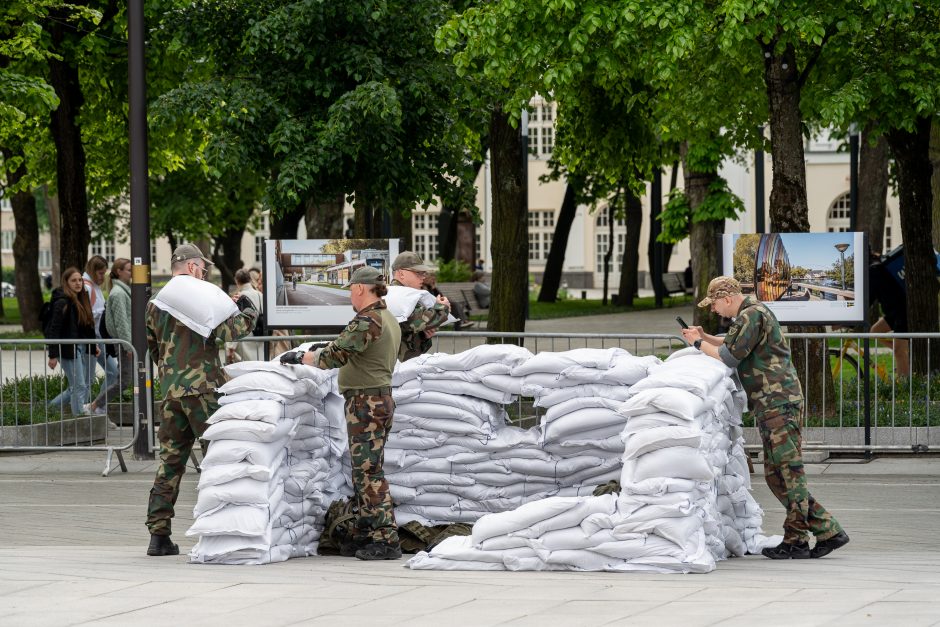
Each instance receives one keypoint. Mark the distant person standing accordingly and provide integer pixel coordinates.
(247, 351)
(687, 275)
(481, 289)
(93, 278)
(365, 353)
(117, 320)
(416, 332)
(71, 319)
(756, 347)
(190, 372)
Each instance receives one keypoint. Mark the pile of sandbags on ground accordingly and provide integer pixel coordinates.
(274, 464)
(451, 456)
(677, 449)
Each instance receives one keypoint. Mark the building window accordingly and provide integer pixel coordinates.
(548, 140)
(838, 220)
(153, 253)
(45, 258)
(6, 240)
(887, 245)
(104, 248)
(259, 248)
(533, 246)
(600, 250)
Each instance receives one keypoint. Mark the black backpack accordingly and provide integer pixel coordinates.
(45, 317)
(109, 349)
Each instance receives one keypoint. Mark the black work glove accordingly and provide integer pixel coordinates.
(243, 303)
(293, 358)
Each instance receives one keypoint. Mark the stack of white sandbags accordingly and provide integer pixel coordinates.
(453, 458)
(676, 451)
(274, 464)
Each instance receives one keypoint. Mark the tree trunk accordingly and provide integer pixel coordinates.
(788, 209)
(363, 215)
(285, 224)
(447, 233)
(789, 212)
(873, 189)
(551, 278)
(611, 212)
(227, 255)
(401, 228)
(70, 157)
(703, 245)
(510, 246)
(911, 153)
(324, 220)
(630, 266)
(935, 181)
(55, 235)
(25, 249)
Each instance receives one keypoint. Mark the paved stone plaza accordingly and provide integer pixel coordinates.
(72, 553)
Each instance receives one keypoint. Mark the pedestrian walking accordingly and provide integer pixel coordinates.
(247, 351)
(365, 353)
(93, 278)
(72, 319)
(756, 347)
(416, 332)
(117, 320)
(190, 372)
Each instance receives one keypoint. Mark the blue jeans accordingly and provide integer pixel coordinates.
(78, 372)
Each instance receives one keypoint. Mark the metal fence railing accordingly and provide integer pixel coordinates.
(80, 402)
(868, 400)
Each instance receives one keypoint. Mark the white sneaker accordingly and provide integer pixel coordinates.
(86, 409)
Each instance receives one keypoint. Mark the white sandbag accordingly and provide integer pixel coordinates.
(477, 390)
(581, 421)
(270, 382)
(250, 430)
(474, 375)
(295, 372)
(199, 305)
(647, 440)
(424, 561)
(610, 392)
(215, 474)
(255, 395)
(263, 410)
(403, 422)
(605, 505)
(696, 374)
(239, 492)
(234, 451)
(681, 462)
(401, 301)
(460, 548)
(679, 403)
(235, 520)
(547, 361)
(626, 370)
(581, 402)
(441, 411)
(481, 355)
(506, 383)
(521, 518)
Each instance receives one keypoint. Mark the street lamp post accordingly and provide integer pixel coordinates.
(842, 248)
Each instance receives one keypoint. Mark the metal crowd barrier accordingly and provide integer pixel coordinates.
(885, 410)
(36, 411)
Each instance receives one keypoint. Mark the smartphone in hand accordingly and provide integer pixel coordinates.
(681, 322)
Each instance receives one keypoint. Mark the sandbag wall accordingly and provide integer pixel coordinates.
(277, 458)
(675, 513)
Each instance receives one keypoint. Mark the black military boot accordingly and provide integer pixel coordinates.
(349, 547)
(786, 551)
(825, 547)
(162, 545)
(379, 551)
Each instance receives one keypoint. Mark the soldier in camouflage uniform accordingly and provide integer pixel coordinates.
(422, 324)
(756, 347)
(190, 371)
(365, 353)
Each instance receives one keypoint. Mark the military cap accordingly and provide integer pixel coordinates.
(184, 252)
(410, 261)
(719, 287)
(366, 275)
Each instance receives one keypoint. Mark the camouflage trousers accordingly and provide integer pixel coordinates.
(368, 422)
(182, 422)
(783, 469)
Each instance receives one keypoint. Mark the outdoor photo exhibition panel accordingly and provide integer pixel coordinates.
(803, 278)
(304, 279)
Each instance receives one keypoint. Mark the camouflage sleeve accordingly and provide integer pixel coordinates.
(423, 318)
(357, 335)
(152, 342)
(742, 338)
(238, 326)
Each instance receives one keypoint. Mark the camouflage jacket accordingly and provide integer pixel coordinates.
(366, 350)
(413, 340)
(187, 362)
(756, 347)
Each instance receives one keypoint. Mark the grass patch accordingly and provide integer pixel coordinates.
(575, 308)
(11, 312)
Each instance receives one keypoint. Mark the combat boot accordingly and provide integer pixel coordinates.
(825, 547)
(787, 551)
(379, 551)
(162, 545)
(349, 547)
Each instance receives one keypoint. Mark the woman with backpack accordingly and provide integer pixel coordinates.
(94, 278)
(71, 319)
(117, 324)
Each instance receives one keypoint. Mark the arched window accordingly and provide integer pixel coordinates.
(838, 220)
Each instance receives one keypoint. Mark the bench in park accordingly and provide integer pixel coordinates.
(462, 293)
(674, 283)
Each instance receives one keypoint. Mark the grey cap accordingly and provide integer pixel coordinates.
(366, 275)
(185, 252)
(408, 260)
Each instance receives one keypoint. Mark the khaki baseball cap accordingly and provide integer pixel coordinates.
(185, 252)
(719, 287)
(410, 261)
(366, 275)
